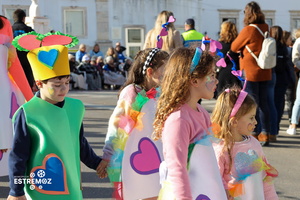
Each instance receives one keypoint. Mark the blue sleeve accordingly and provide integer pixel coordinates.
(87, 154)
(77, 56)
(19, 154)
(101, 54)
(105, 68)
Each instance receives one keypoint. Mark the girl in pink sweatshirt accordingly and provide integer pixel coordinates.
(184, 126)
(245, 171)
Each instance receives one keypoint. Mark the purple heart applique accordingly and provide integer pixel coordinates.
(159, 43)
(221, 63)
(14, 105)
(237, 73)
(163, 32)
(171, 19)
(1, 155)
(48, 58)
(147, 159)
(202, 197)
(52, 169)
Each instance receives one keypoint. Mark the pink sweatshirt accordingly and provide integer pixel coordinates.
(246, 156)
(182, 128)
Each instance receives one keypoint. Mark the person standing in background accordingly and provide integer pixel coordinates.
(257, 78)
(282, 77)
(19, 28)
(296, 108)
(226, 79)
(291, 90)
(171, 41)
(191, 37)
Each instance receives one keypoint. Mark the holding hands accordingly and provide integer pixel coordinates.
(101, 169)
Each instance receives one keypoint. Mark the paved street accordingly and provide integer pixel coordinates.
(283, 155)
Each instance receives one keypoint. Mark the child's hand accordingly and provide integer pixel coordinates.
(101, 169)
(16, 198)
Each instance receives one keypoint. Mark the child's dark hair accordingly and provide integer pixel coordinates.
(221, 119)
(19, 15)
(135, 74)
(58, 77)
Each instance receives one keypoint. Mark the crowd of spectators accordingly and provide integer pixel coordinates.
(94, 70)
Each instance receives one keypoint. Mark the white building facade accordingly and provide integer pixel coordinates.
(127, 21)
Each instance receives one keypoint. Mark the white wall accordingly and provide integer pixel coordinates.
(123, 13)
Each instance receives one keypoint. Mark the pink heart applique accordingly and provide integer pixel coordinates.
(212, 46)
(159, 43)
(147, 159)
(217, 44)
(221, 63)
(1, 155)
(171, 19)
(237, 73)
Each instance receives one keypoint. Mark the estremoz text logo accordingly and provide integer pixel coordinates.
(35, 179)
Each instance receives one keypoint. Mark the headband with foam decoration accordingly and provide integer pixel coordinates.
(164, 32)
(159, 43)
(48, 53)
(243, 94)
(211, 46)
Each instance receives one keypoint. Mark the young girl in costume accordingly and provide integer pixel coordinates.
(14, 88)
(131, 123)
(245, 171)
(189, 170)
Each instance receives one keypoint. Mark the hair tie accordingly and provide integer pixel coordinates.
(149, 58)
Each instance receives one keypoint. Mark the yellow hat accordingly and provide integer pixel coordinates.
(48, 53)
(49, 62)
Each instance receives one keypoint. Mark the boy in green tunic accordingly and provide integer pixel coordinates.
(48, 131)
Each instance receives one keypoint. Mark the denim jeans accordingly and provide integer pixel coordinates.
(280, 90)
(259, 90)
(296, 107)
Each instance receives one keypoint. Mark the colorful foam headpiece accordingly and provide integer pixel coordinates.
(48, 53)
(243, 94)
(164, 32)
(213, 47)
(159, 43)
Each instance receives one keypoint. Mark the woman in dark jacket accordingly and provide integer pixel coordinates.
(226, 79)
(282, 74)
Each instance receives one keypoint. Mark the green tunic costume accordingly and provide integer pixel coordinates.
(54, 164)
